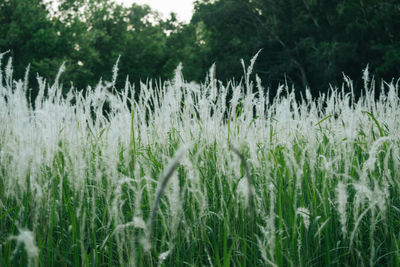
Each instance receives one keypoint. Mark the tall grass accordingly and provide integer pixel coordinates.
(79, 182)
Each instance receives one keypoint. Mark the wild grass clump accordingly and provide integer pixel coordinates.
(100, 178)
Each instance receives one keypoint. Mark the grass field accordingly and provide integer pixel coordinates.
(180, 178)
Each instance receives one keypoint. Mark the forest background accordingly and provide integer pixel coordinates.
(305, 43)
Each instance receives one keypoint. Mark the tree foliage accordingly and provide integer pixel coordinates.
(308, 43)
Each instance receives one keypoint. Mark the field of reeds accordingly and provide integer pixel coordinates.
(198, 175)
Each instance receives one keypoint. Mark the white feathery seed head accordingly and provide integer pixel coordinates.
(26, 238)
(341, 199)
(305, 215)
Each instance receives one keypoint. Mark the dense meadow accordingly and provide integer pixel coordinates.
(198, 175)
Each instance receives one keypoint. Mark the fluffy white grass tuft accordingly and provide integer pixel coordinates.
(26, 238)
(341, 203)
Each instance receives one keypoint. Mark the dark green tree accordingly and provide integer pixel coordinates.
(225, 34)
(308, 43)
(31, 37)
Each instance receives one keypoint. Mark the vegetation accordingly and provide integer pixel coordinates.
(176, 177)
(144, 168)
(307, 43)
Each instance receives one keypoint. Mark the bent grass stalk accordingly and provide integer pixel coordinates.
(250, 185)
(375, 121)
(160, 190)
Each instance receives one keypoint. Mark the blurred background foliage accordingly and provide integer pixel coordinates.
(305, 43)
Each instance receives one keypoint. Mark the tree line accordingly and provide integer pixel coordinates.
(305, 43)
